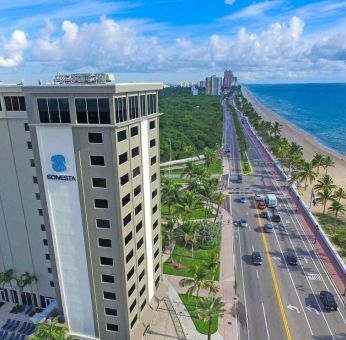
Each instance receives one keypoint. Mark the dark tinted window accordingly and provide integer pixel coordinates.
(26, 125)
(153, 160)
(29, 145)
(95, 137)
(133, 305)
(138, 209)
(129, 256)
(124, 179)
(156, 238)
(104, 111)
(139, 226)
(156, 253)
(157, 281)
(137, 190)
(112, 327)
(152, 125)
(108, 278)
(154, 209)
(152, 143)
(81, 110)
(156, 223)
(111, 312)
(106, 261)
(142, 101)
(125, 200)
(109, 296)
(105, 242)
(141, 275)
(105, 224)
(64, 110)
(127, 219)
(42, 106)
(22, 105)
(136, 171)
(133, 322)
(93, 116)
(130, 273)
(101, 203)
(139, 243)
(142, 291)
(128, 238)
(157, 267)
(134, 131)
(120, 109)
(123, 158)
(141, 259)
(15, 103)
(99, 182)
(154, 193)
(8, 103)
(53, 108)
(97, 160)
(122, 135)
(153, 177)
(135, 151)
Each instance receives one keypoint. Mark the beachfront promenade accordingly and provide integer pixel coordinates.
(277, 300)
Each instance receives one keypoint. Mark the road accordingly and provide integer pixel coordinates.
(275, 300)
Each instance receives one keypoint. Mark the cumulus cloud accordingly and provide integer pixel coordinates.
(229, 2)
(13, 50)
(333, 48)
(183, 42)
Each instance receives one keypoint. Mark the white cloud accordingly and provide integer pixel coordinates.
(183, 42)
(13, 50)
(229, 2)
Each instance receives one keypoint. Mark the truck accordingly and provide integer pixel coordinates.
(271, 201)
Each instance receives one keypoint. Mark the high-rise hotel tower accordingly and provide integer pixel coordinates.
(80, 203)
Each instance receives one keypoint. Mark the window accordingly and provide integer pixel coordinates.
(29, 145)
(99, 182)
(157, 281)
(153, 177)
(37, 195)
(106, 261)
(122, 135)
(100, 203)
(156, 239)
(111, 312)
(141, 275)
(130, 273)
(124, 179)
(49, 270)
(45, 242)
(81, 110)
(123, 158)
(140, 260)
(107, 278)
(112, 328)
(34, 179)
(137, 190)
(133, 107)
(92, 110)
(152, 143)
(51, 283)
(120, 109)
(155, 209)
(154, 193)
(127, 219)
(95, 137)
(133, 305)
(47, 257)
(152, 124)
(104, 111)
(156, 223)
(157, 267)
(97, 160)
(26, 125)
(53, 110)
(109, 296)
(143, 304)
(126, 199)
(139, 243)
(138, 209)
(136, 171)
(139, 226)
(103, 224)
(151, 104)
(15, 103)
(105, 242)
(133, 322)
(134, 131)
(43, 227)
(153, 160)
(135, 151)
(131, 290)
(40, 212)
(129, 256)
(156, 253)
(128, 238)
(142, 103)
(32, 163)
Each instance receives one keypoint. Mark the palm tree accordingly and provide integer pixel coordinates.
(6, 278)
(327, 163)
(276, 129)
(324, 196)
(219, 199)
(336, 208)
(188, 203)
(307, 173)
(197, 281)
(340, 194)
(293, 159)
(212, 263)
(326, 182)
(209, 308)
(170, 195)
(317, 161)
(45, 331)
(210, 157)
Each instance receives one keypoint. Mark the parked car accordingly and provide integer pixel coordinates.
(256, 258)
(261, 205)
(292, 259)
(328, 301)
(276, 218)
(258, 197)
(243, 199)
(268, 228)
(264, 214)
(243, 223)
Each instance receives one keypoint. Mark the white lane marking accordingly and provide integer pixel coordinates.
(311, 309)
(242, 277)
(287, 221)
(257, 273)
(252, 247)
(314, 276)
(230, 204)
(277, 258)
(265, 321)
(290, 307)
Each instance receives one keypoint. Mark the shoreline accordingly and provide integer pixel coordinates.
(309, 143)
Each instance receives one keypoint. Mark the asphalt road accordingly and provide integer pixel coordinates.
(276, 300)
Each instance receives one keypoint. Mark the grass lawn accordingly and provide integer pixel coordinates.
(339, 238)
(246, 167)
(216, 168)
(183, 256)
(198, 214)
(190, 303)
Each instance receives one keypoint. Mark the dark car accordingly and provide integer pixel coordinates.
(239, 178)
(292, 259)
(261, 205)
(256, 258)
(328, 300)
(276, 218)
(264, 214)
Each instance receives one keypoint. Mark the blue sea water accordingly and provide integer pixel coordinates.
(319, 109)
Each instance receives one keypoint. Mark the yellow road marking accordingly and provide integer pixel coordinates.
(275, 282)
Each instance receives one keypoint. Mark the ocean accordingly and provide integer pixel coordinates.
(319, 109)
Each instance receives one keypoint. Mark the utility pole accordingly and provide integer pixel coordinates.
(170, 157)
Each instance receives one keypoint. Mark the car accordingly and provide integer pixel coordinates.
(328, 301)
(243, 199)
(256, 258)
(276, 218)
(243, 223)
(258, 197)
(292, 259)
(261, 205)
(268, 228)
(264, 214)
(239, 178)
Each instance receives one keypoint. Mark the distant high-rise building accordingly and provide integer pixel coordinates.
(186, 84)
(213, 85)
(227, 79)
(194, 91)
(201, 84)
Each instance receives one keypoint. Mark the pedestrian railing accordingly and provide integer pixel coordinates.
(176, 321)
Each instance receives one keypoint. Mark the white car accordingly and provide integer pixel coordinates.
(258, 197)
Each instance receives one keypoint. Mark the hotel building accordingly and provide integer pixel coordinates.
(80, 202)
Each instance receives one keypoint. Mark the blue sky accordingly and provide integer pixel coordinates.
(271, 41)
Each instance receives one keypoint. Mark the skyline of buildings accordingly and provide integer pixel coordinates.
(80, 166)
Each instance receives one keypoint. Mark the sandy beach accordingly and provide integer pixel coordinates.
(310, 146)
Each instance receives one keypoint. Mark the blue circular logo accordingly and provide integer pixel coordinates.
(58, 163)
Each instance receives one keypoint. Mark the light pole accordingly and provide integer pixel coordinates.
(170, 157)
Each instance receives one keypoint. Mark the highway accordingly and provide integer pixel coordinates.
(275, 300)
